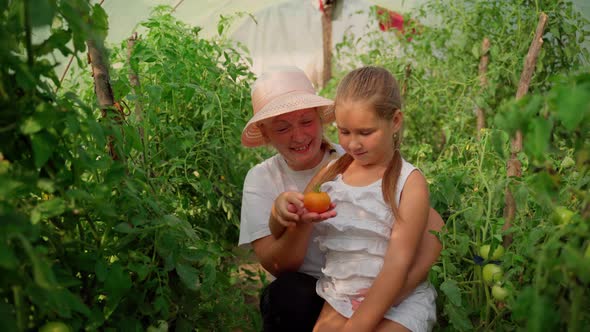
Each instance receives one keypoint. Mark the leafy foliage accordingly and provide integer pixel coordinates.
(120, 244)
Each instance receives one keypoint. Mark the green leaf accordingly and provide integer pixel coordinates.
(458, 318)
(42, 273)
(142, 270)
(58, 40)
(117, 282)
(125, 228)
(100, 21)
(51, 208)
(8, 186)
(7, 258)
(30, 126)
(43, 146)
(537, 140)
(475, 50)
(101, 270)
(7, 317)
(573, 103)
(189, 276)
(74, 302)
(452, 291)
(41, 12)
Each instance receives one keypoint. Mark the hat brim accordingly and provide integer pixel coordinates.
(291, 102)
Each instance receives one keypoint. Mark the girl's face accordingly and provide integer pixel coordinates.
(365, 136)
(297, 136)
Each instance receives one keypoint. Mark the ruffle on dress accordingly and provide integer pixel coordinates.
(357, 242)
(346, 265)
(374, 207)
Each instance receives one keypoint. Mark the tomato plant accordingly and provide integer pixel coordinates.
(100, 243)
(316, 201)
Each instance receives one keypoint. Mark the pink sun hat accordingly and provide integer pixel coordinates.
(282, 90)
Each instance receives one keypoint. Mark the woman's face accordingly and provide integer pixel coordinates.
(297, 136)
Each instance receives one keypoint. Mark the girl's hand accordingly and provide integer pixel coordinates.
(307, 216)
(358, 298)
(287, 208)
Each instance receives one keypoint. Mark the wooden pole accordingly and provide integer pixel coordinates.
(483, 82)
(327, 41)
(514, 166)
(102, 86)
(133, 77)
(407, 74)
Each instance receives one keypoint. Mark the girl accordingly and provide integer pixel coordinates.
(382, 211)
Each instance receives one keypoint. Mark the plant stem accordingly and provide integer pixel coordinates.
(28, 38)
(18, 306)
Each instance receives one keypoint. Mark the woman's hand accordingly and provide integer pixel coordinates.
(308, 216)
(287, 208)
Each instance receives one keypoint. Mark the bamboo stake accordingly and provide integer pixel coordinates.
(327, 41)
(483, 82)
(514, 166)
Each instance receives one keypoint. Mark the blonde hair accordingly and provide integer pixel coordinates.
(376, 86)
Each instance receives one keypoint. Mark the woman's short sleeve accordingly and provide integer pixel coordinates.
(257, 198)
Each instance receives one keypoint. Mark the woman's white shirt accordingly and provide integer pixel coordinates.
(263, 184)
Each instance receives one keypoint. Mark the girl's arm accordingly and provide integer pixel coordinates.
(405, 239)
(427, 254)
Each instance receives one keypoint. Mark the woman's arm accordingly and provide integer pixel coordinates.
(399, 258)
(285, 253)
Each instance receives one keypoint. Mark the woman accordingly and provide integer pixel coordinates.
(289, 116)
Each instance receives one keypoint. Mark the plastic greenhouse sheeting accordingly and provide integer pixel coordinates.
(280, 32)
(276, 32)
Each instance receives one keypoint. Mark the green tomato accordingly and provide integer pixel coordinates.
(587, 253)
(55, 327)
(484, 252)
(492, 273)
(567, 162)
(562, 215)
(499, 293)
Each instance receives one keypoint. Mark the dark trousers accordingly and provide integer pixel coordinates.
(290, 303)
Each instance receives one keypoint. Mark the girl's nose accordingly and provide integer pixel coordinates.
(354, 144)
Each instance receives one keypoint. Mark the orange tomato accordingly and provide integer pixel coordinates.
(316, 202)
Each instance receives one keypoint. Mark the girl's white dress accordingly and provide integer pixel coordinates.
(355, 242)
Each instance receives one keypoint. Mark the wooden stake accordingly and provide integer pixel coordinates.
(102, 87)
(327, 42)
(408, 72)
(133, 78)
(483, 82)
(513, 166)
